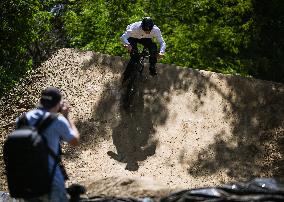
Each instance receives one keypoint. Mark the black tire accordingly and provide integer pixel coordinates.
(131, 87)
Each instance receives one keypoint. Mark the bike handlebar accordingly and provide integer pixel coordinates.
(143, 53)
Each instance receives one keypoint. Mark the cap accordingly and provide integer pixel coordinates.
(50, 97)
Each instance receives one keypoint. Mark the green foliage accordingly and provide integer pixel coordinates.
(87, 24)
(267, 47)
(230, 36)
(199, 34)
(16, 19)
(97, 25)
(210, 36)
(25, 38)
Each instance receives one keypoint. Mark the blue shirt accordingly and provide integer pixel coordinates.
(58, 130)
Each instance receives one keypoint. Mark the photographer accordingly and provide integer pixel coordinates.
(62, 128)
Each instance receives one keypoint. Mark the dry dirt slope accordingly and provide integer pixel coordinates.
(189, 128)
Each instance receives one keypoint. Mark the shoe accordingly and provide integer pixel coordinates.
(153, 71)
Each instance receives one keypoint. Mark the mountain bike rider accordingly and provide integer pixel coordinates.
(143, 32)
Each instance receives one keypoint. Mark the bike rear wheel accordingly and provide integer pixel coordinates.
(131, 87)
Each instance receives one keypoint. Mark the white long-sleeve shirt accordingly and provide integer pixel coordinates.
(135, 30)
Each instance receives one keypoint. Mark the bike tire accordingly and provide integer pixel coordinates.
(131, 87)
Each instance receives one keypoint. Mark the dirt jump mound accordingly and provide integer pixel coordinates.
(187, 129)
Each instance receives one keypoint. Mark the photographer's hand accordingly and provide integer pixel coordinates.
(65, 109)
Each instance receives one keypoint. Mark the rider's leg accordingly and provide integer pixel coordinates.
(153, 51)
(133, 56)
(133, 42)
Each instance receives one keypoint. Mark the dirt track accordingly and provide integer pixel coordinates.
(189, 128)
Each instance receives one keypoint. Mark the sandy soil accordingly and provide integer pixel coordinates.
(187, 128)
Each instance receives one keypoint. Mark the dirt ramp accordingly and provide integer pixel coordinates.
(188, 128)
(137, 187)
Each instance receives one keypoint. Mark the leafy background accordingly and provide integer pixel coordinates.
(243, 37)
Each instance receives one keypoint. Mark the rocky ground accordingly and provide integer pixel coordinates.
(187, 128)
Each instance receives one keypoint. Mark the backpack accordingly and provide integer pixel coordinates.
(25, 153)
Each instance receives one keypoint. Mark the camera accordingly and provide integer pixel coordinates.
(60, 108)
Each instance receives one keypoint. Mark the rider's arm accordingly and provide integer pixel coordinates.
(160, 39)
(125, 42)
(124, 39)
(131, 31)
(126, 35)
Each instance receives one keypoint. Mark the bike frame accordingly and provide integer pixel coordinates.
(136, 72)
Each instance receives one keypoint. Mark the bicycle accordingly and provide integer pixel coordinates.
(135, 76)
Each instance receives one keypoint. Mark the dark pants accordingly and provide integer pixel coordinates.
(147, 43)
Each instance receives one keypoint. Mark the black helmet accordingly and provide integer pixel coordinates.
(147, 24)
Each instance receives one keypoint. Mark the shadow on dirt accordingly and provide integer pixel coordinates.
(134, 141)
(134, 135)
(254, 149)
(254, 109)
